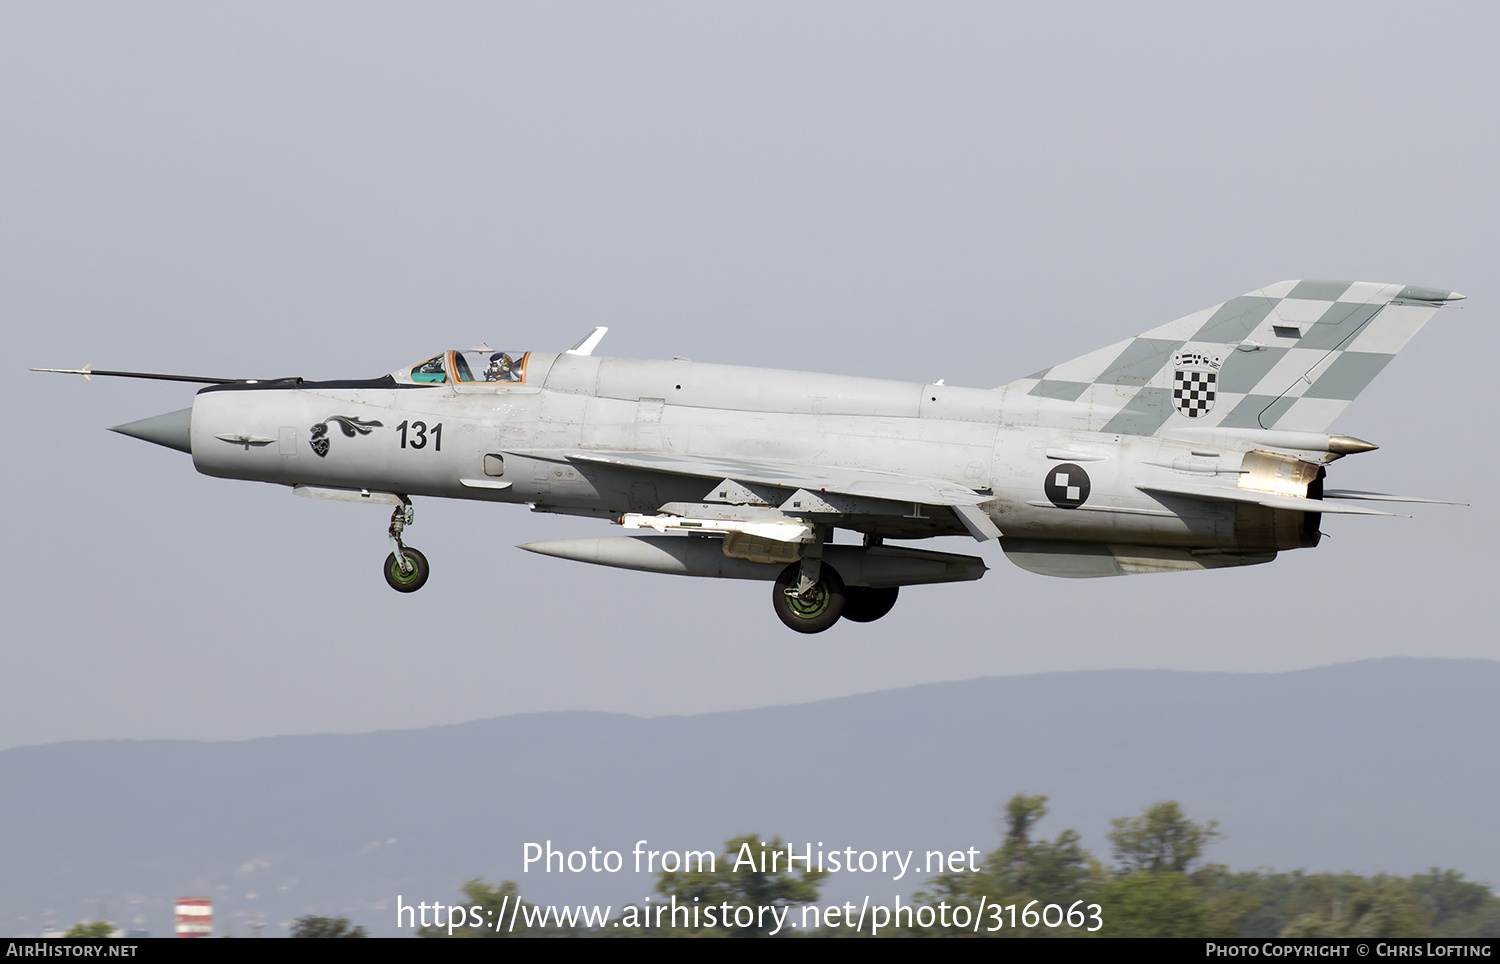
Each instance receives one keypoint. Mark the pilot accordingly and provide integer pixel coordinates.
(502, 369)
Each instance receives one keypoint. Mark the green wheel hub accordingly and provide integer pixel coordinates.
(811, 606)
(410, 580)
(817, 610)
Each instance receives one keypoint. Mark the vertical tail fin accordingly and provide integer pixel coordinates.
(1290, 356)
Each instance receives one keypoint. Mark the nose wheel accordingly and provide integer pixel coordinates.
(405, 567)
(410, 579)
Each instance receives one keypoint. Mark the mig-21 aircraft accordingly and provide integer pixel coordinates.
(1200, 444)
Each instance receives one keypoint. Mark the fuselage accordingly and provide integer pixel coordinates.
(1198, 444)
(512, 442)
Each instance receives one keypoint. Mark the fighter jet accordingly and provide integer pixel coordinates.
(1200, 444)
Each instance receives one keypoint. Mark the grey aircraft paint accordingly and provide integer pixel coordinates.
(1200, 444)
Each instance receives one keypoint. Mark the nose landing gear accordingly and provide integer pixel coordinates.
(412, 578)
(405, 567)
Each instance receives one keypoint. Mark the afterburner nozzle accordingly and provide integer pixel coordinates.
(174, 430)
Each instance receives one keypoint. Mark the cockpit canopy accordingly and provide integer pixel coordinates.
(474, 366)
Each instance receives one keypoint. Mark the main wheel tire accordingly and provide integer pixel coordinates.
(867, 605)
(820, 610)
(406, 581)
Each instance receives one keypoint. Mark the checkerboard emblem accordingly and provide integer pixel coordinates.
(1195, 380)
(1066, 485)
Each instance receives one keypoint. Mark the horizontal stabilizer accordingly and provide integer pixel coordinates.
(1356, 494)
(1218, 493)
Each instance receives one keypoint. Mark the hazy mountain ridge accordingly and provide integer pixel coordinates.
(1384, 765)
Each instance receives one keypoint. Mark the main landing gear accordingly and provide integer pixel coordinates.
(863, 605)
(827, 600)
(808, 607)
(405, 567)
(810, 596)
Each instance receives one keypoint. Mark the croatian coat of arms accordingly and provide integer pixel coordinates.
(1195, 379)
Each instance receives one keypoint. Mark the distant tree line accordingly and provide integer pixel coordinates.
(314, 926)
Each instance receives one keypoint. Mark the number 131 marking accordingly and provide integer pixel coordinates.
(420, 430)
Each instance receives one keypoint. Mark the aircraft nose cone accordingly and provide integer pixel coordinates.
(174, 430)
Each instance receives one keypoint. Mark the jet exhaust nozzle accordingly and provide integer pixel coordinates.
(173, 430)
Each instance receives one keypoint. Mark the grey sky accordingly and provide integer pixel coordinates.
(960, 191)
